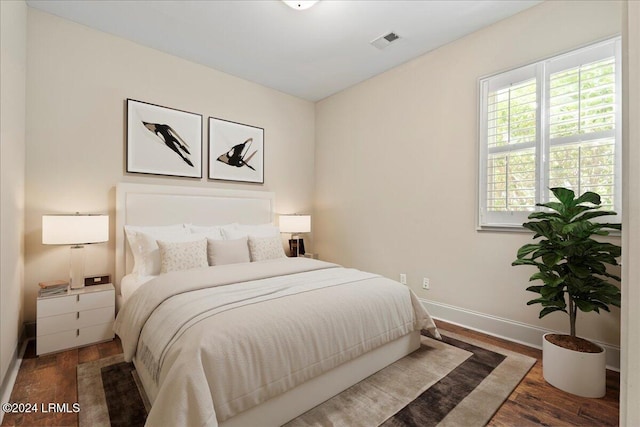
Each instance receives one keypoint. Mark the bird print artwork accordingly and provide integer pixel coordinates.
(237, 155)
(171, 139)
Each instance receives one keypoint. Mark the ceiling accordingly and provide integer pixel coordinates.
(309, 53)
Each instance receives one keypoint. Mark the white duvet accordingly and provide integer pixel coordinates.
(220, 340)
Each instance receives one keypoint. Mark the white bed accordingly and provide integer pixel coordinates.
(139, 204)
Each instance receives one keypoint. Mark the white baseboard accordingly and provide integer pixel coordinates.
(511, 330)
(12, 373)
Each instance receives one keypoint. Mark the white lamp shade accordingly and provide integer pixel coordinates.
(295, 223)
(74, 229)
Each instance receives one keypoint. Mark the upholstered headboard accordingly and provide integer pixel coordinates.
(149, 204)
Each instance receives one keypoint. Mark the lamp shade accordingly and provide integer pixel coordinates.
(295, 223)
(74, 229)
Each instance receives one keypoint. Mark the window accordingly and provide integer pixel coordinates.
(555, 123)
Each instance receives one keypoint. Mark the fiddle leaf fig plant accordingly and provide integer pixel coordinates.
(571, 264)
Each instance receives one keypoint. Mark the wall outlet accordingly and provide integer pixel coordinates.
(403, 278)
(425, 283)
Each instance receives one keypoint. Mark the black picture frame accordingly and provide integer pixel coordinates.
(236, 151)
(162, 140)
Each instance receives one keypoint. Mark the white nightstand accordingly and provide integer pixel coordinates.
(76, 318)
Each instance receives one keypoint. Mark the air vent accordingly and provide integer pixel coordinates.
(385, 40)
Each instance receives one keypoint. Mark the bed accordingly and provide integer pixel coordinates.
(255, 343)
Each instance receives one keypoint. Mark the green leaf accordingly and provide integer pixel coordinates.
(584, 305)
(544, 215)
(593, 214)
(589, 197)
(558, 207)
(535, 289)
(579, 270)
(565, 196)
(551, 259)
(542, 228)
(613, 226)
(573, 212)
(527, 249)
(549, 310)
(549, 279)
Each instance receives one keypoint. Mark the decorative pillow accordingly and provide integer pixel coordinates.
(227, 251)
(142, 241)
(262, 230)
(264, 248)
(211, 232)
(176, 256)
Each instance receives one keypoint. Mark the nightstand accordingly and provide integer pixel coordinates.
(75, 318)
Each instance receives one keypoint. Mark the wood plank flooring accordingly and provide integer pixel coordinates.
(535, 402)
(52, 378)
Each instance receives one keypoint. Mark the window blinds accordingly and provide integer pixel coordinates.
(546, 125)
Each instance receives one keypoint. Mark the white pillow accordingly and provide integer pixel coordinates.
(176, 256)
(265, 248)
(142, 241)
(262, 230)
(211, 232)
(142, 245)
(222, 252)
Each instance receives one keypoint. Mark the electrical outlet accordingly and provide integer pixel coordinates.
(403, 278)
(425, 283)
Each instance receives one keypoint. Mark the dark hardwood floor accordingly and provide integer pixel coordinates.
(52, 378)
(535, 402)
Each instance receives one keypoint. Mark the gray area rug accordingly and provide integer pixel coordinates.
(454, 382)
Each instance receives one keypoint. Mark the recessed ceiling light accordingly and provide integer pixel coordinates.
(300, 4)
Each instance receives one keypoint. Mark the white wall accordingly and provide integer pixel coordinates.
(77, 82)
(630, 375)
(396, 168)
(13, 61)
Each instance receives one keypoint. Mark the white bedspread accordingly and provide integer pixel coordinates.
(221, 340)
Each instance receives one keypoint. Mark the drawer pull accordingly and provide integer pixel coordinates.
(77, 298)
(77, 315)
(77, 332)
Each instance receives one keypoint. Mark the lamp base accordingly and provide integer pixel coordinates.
(76, 271)
(296, 246)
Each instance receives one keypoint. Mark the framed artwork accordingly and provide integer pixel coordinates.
(236, 151)
(163, 141)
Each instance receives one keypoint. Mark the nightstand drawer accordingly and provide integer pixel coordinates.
(73, 321)
(73, 303)
(74, 338)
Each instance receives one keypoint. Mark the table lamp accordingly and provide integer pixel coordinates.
(75, 230)
(295, 224)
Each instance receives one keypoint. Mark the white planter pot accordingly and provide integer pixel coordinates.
(582, 374)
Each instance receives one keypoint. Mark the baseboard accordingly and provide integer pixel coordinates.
(511, 330)
(12, 373)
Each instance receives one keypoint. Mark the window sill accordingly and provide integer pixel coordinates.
(521, 229)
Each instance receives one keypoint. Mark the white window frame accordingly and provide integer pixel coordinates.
(542, 70)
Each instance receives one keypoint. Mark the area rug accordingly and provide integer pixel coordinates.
(454, 382)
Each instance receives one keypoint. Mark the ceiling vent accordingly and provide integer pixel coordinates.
(385, 40)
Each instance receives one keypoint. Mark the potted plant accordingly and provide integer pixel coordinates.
(572, 268)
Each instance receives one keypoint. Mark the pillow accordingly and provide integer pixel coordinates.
(262, 230)
(264, 248)
(222, 252)
(175, 256)
(146, 255)
(212, 232)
